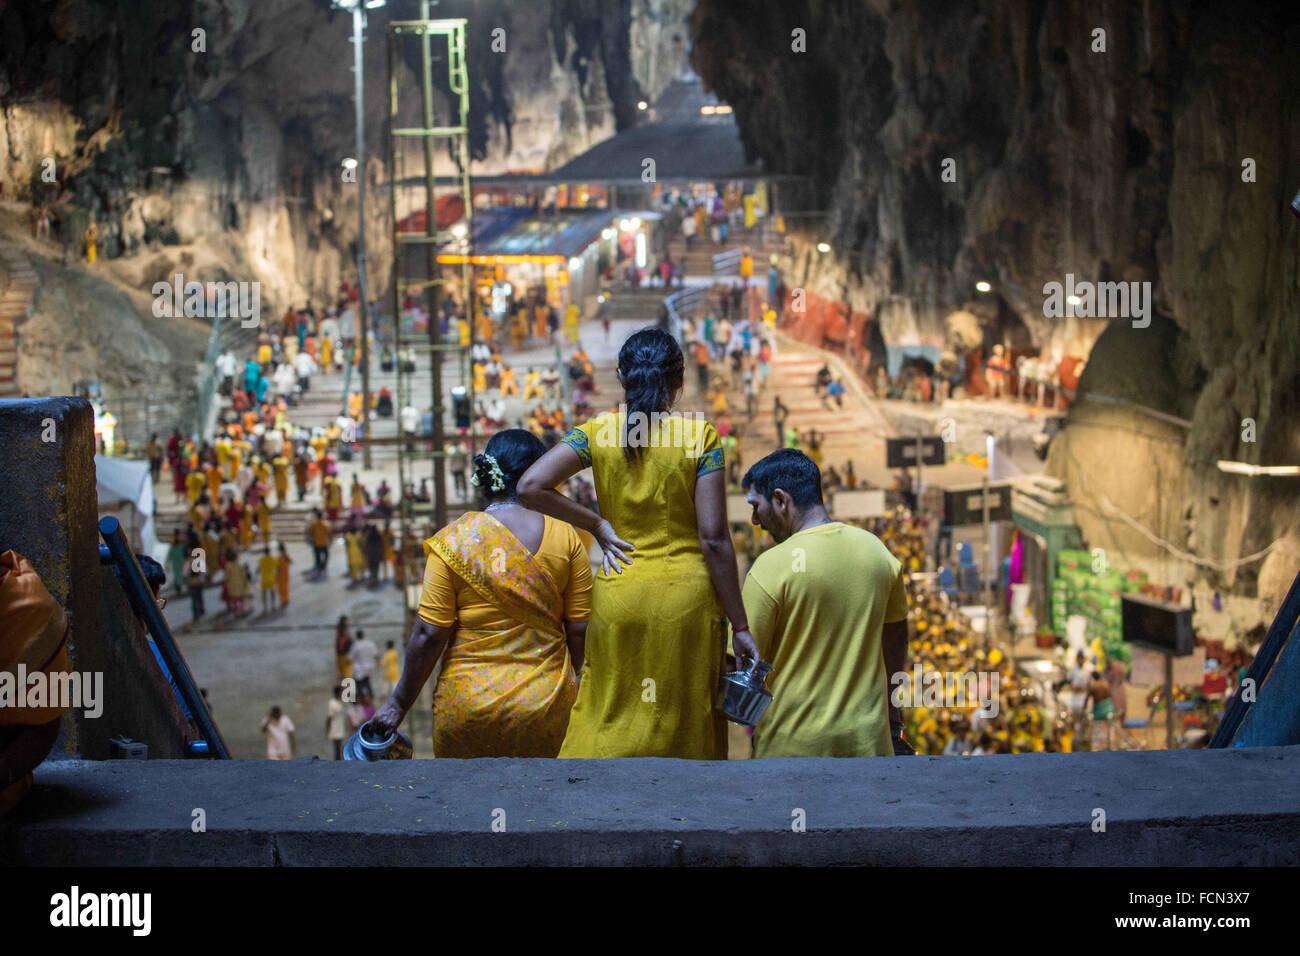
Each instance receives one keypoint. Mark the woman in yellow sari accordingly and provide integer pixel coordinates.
(657, 641)
(506, 596)
(356, 560)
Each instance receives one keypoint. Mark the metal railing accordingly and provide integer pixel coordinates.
(679, 306)
(1279, 632)
(205, 406)
(727, 263)
(177, 672)
(138, 418)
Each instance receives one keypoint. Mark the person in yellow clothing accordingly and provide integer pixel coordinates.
(266, 568)
(390, 668)
(264, 352)
(326, 356)
(280, 466)
(262, 469)
(532, 385)
(508, 384)
(464, 332)
(571, 314)
(480, 377)
(658, 628)
(333, 495)
(194, 483)
(390, 558)
(356, 558)
(506, 594)
(264, 520)
(222, 447)
(828, 608)
(355, 402)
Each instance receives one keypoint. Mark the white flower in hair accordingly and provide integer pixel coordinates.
(498, 476)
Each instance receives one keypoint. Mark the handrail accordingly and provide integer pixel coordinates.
(207, 383)
(142, 602)
(1278, 633)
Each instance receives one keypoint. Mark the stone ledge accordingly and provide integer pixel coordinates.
(1188, 808)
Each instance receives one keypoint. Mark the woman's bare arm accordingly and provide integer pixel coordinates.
(720, 555)
(575, 634)
(537, 488)
(423, 652)
(537, 492)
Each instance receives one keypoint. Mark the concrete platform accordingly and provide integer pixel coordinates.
(1179, 808)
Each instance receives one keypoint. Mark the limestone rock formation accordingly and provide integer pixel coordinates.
(1155, 142)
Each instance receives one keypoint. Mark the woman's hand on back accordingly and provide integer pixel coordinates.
(613, 548)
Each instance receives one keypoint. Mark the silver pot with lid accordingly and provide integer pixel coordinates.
(366, 745)
(742, 696)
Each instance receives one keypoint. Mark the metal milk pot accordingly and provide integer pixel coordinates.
(742, 698)
(363, 746)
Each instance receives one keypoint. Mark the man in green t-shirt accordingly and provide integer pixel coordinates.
(827, 608)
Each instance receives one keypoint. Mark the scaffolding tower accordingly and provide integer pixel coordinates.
(415, 273)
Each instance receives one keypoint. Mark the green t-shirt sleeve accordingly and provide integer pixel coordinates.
(896, 610)
(762, 611)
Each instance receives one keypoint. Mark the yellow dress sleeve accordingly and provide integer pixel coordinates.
(577, 596)
(708, 451)
(438, 596)
(579, 439)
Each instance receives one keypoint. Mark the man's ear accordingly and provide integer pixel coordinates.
(781, 501)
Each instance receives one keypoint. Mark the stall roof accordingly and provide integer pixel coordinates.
(522, 232)
(681, 151)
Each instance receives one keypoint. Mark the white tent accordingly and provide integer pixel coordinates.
(126, 492)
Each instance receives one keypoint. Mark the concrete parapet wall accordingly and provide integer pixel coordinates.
(1185, 808)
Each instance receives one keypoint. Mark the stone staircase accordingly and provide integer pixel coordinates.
(699, 260)
(15, 301)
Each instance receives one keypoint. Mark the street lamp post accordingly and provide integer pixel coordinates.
(358, 26)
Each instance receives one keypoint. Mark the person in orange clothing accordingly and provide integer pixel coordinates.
(213, 475)
(282, 563)
(507, 384)
(33, 635)
(264, 520)
(246, 528)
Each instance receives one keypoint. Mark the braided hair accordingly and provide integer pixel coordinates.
(651, 367)
(509, 453)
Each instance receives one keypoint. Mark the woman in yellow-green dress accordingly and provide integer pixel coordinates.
(656, 641)
(506, 595)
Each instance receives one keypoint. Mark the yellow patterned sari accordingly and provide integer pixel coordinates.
(507, 684)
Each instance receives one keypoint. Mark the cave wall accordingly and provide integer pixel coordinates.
(224, 163)
(1116, 165)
